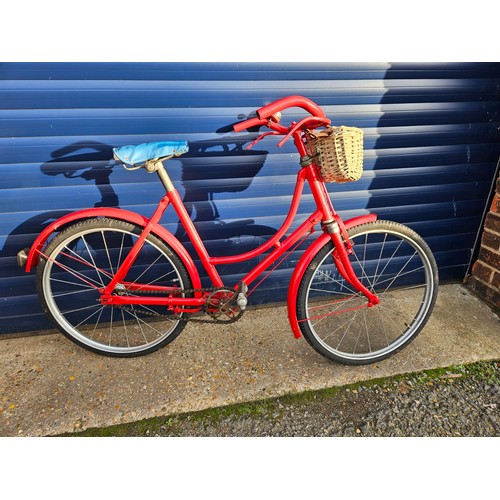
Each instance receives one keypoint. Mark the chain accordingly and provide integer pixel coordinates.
(188, 316)
(179, 291)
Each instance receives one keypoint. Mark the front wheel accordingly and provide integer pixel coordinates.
(392, 261)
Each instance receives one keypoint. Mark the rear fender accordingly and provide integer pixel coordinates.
(305, 260)
(119, 214)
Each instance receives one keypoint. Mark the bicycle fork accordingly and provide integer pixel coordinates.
(340, 256)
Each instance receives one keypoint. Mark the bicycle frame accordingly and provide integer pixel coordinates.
(333, 227)
(325, 214)
(209, 263)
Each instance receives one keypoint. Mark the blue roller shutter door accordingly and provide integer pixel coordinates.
(431, 149)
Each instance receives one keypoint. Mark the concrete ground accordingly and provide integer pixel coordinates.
(50, 386)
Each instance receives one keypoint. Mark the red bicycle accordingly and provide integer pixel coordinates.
(119, 284)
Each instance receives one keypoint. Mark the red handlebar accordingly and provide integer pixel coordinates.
(239, 127)
(290, 102)
(269, 110)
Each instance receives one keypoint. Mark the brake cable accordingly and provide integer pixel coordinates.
(252, 144)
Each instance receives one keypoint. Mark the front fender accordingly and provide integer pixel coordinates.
(119, 214)
(305, 260)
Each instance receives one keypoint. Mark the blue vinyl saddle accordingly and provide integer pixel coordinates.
(133, 155)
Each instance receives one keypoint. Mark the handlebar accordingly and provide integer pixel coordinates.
(253, 122)
(266, 114)
(290, 102)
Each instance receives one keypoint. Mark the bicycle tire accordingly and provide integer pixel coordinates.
(84, 257)
(392, 261)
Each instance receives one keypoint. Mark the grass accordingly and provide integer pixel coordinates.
(485, 371)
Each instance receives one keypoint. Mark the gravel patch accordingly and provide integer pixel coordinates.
(463, 402)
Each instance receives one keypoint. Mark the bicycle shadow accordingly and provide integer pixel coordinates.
(89, 161)
(215, 167)
(91, 166)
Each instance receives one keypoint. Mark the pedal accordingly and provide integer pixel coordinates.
(242, 301)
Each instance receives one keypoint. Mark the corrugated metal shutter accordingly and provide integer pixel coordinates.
(431, 133)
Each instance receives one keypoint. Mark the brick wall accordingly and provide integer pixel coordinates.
(485, 276)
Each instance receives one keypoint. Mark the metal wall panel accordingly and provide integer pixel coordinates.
(431, 149)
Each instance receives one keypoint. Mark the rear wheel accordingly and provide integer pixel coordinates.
(392, 261)
(84, 258)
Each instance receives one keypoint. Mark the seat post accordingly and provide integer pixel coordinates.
(164, 177)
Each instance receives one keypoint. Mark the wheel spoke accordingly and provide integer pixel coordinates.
(107, 253)
(125, 327)
(362, 265)
(132, 313)
(92, 259)
(77, 275)
(152, 281)
(64, 294)
(85, 308)
(402, 274)
(140, 320)
(389, 261)
(79, 258)
(332, 292)
(90, 316)
(336, 310)
(72, 283)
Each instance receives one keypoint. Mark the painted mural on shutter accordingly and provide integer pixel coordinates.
(431, 151)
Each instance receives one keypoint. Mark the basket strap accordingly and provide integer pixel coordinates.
(322, 133)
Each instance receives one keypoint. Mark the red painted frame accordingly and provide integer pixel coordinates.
(325, 214)
(208, 262)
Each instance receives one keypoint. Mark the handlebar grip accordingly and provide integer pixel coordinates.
(253, 122)
(290, 102)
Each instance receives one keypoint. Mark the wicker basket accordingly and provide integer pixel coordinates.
(338, 152)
